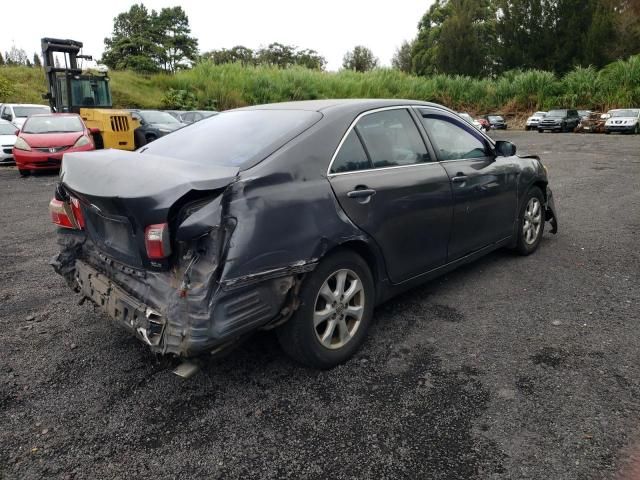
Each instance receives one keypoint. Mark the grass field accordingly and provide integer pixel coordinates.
(232, 85)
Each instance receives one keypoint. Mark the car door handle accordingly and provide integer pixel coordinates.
(459, 178)
(361, 193)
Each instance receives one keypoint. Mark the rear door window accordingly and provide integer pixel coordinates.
(392, 139)
(351, 156)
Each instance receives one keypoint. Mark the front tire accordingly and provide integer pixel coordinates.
(531, 222)
(335, 312)
(24, 173)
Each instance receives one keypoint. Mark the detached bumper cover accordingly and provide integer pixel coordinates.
(550, 212)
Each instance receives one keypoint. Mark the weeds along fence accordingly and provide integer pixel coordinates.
(233, 85)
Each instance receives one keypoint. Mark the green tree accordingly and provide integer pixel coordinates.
(402, 58)
(239, 53)
(276, 54)
(456, 37)
(36, 61)
(360, 59)
(177, 49)
(310, 59)
(133, 43)
(16, 56)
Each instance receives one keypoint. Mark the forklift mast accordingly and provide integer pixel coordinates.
(61, 79)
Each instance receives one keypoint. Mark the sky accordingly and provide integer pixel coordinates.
(331, 27)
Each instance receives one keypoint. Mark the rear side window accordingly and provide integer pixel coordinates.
(351, 156)
(451, 141)
(238, 138)
(392, 139)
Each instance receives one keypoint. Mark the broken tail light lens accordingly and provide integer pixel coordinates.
(66, 214)
(60, 215)
(157, 242)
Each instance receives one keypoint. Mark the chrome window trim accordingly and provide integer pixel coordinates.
(393, 107)
(352, 126)
(383, 168)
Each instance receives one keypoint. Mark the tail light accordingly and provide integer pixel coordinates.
(156, 240)
(66, 214)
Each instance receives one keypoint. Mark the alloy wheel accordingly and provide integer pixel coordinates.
(339, 308)
(532, 221)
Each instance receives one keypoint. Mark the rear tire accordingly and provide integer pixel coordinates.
(139, 140)
(531, 222)
(335, 312)
(98, 141)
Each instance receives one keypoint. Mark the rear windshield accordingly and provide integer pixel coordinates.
(625, 113)
(495, 118)
(236, 138)
(52, 124)
(28, 111)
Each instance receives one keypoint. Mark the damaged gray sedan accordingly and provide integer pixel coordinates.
(299, 216)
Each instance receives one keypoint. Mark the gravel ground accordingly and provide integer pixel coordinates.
(507, 368)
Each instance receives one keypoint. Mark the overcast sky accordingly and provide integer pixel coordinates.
(329, 26)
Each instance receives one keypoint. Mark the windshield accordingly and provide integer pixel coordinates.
(53, 124)
(151, 116)
(557, 113)
(625, 113)
(539, 114)
(7, 129)
(90, 92)
(495, 118)
(238, 138)
(28, 111)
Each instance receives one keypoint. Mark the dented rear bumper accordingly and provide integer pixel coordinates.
(170, 318)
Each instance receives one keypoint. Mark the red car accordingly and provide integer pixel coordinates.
(45, 138)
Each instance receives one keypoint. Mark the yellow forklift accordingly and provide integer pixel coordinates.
(87, 93)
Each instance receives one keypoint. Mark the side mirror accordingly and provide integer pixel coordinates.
(505, 149)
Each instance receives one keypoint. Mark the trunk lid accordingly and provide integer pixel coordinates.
(122, 192)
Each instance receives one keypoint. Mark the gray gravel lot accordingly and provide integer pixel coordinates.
(509, 368)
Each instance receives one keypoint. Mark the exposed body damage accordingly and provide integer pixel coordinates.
(236, 242)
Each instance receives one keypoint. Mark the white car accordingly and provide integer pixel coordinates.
(623, 120)
(7, 139)
(469, 119)
(534, 120)
(17, 113)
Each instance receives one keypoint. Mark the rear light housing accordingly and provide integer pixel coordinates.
(66, 214)
(157, 241)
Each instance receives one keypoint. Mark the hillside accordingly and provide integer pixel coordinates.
(231, 85)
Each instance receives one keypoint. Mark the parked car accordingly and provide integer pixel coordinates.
(153, 125)
(7, 139)
(496, 122)
(624, 120)
(564, 120)
(583, 114)
(299, 216)
(469, 119)
(196, 115)
(44, 139)
(484, 124)
(534, 120)
(593, 124)
(175, 114)
(17, 113)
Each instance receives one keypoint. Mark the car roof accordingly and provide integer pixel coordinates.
(55, 114)
(340, 105)
(25, 105)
